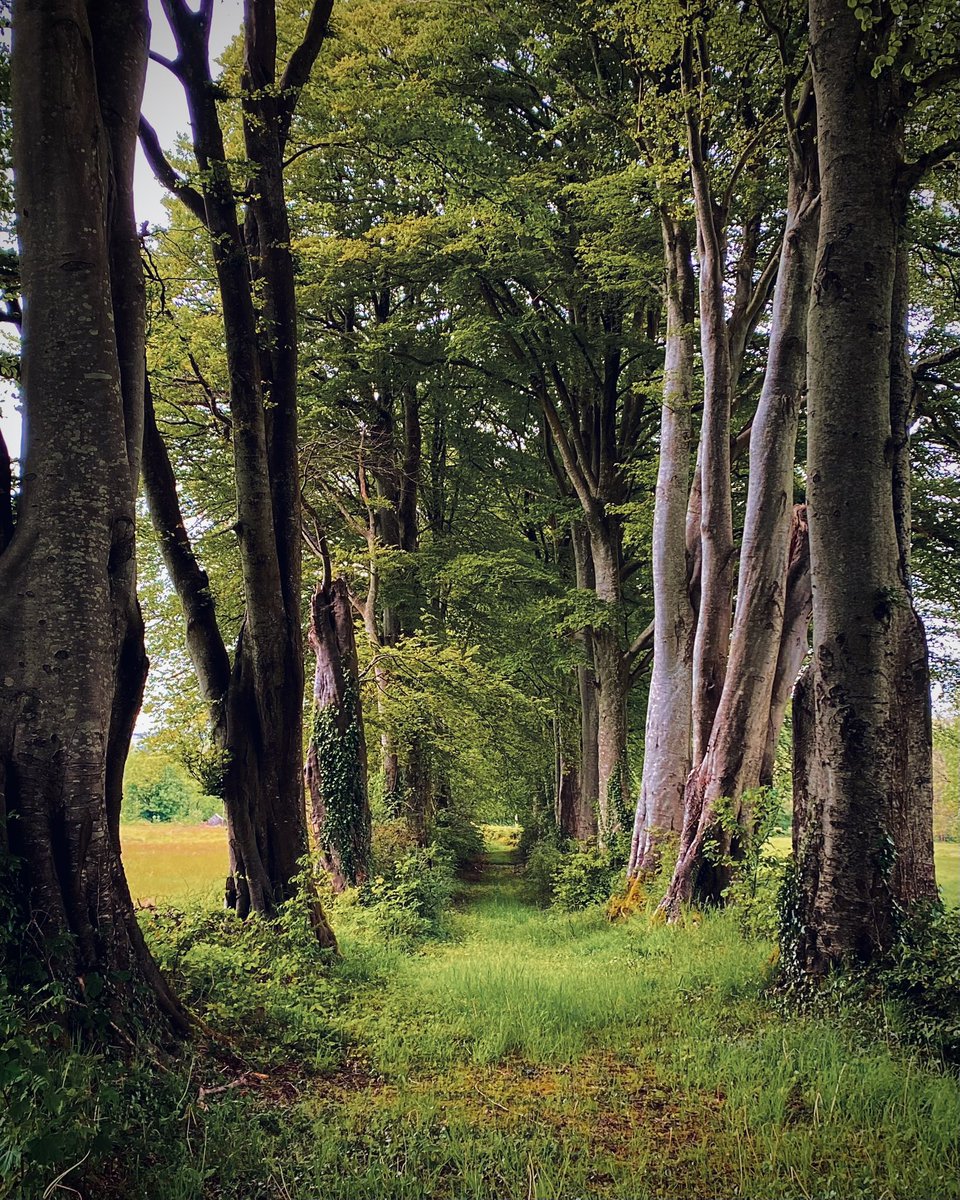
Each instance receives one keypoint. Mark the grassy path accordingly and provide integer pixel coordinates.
(536, 1056)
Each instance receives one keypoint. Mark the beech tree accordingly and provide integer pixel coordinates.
(691, 708)
(72, 663)
(255, 703)
(862, 727)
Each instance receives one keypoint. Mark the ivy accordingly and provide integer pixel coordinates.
(346, 827)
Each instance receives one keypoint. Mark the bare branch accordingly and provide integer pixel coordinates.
(166, 175)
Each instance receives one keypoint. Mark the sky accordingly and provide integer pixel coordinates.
(166, 110)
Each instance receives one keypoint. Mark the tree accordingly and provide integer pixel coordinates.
(255, 703)
(336, 770)
(862, 728)
(72, 664)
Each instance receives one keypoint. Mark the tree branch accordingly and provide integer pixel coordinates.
(300, 64)
(165, 174)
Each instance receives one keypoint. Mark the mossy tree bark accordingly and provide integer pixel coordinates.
(72, 663)
(336, 771)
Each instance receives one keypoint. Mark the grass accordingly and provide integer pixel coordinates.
(546, 1056)
(530, 1055)
(174, 862)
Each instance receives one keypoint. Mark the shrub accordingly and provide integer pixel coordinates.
(392, 841)
(411, 900)
(584, 878)
(265, 983)
(922, 982)
(542, 862)
(459, 837)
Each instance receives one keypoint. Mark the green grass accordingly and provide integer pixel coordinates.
(946, 859)
(530, 1055)
(550, 1056)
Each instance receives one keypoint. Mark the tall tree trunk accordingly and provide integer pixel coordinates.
(733, 760)
(71, 651)
(666, 748)
(583, 813)
(336, 771)
(716, 507)
(613, 682)
(261, 710)
(863, 841)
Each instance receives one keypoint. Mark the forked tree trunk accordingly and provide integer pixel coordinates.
(257, 715)
(734, 757)
(336, 771)
(71, 649)
(863, 840)
(666, 753)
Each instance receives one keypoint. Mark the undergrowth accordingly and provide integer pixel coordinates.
(497, 1050)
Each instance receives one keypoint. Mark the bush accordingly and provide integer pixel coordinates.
(585, 878)
(922, 982)
(266, 983)
(391, 842)
(157, 789)
(458, 836)
(542, 861)
(410, 901)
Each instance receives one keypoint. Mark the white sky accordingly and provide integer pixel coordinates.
(166, 110)
(163, 103)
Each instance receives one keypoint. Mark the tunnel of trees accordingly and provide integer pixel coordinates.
(570, 391)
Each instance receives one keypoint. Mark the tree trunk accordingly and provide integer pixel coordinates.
(795, 640)
(583, 815)
(613, 683)
(336, 771)
(71, 651)
(711, 643)
(863, 843)
(258, 718)
(733, 760)
(666, 748)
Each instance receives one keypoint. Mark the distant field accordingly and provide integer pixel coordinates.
(174, 862)
(189, 862)
(946, 857)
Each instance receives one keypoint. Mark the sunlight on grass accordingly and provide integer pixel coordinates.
(174, 863)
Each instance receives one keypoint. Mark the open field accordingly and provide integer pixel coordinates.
(174, 862)
(946, 857)
(189, 862)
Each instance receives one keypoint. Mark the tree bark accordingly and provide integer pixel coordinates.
(582, 814)
(258, 717)
(863, 843)
(613, 682)
(666, 754)
(733, 760)
(336, 770)
(716, 507)
(71, 647)
(795, 640)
